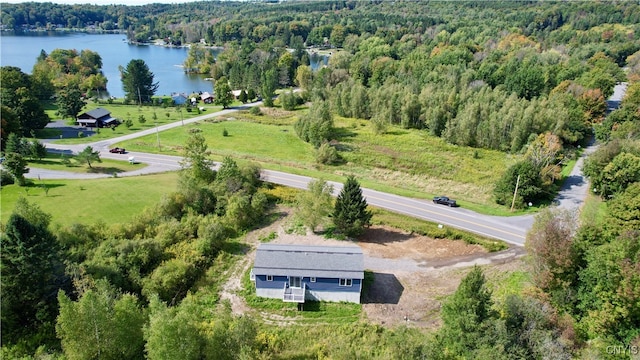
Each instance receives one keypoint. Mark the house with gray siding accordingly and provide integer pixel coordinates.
(297, 273)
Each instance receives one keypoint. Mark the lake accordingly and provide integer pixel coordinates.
(164, 62)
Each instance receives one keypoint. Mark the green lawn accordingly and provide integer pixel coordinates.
(245, 140)
(112, 200)
(124, 112)
(405, 162)
(107, 166)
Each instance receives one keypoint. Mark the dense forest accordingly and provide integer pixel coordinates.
(526, 78)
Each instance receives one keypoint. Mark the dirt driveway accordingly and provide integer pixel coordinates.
(412, 273)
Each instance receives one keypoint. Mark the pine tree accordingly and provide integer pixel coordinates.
(350, 215)
(31, 274)
(466, 315)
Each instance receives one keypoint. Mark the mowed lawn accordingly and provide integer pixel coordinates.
(112, 200)
(131, 112)
(403, 161)
(105, 166)
(245, 140)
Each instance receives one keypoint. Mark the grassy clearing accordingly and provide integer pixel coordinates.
(404, 162)
(594, 210)
(245, 140)
(111, 200)
(124, 112)
(314, 311)
(107, 166)
(504, 284)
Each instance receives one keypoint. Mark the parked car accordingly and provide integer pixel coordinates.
(117, 150)
(443, 200)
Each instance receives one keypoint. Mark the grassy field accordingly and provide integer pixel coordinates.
(404, 162)
(107, 166)
(112, 200)
(124, 112)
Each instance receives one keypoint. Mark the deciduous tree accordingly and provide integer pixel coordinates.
(70, 102)
(88, 155)
(553, 256)
(223, 94)
(316, 126)
(102, 324)
(196, 162)
(314, 205)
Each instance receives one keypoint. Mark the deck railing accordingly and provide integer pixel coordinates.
(290, 294)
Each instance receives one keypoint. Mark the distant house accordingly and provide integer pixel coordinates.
(206, 98)
(179, 99)
(97, 117)
(296, 273)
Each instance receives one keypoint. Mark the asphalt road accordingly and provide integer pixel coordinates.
(511, 230)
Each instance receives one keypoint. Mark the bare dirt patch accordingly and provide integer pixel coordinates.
(412, 273)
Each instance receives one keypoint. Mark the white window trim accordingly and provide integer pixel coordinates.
(269, 277)
(345, 282)
(312, 279)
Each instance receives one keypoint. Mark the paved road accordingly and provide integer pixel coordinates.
(511, 230)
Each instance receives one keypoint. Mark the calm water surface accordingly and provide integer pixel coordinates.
(23, 49)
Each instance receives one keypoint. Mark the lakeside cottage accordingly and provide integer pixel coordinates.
(296, 273)
(98, 117)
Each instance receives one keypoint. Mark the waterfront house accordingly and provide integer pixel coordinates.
(179, 99)
(206, 98)
(297, 273)
(98, 117)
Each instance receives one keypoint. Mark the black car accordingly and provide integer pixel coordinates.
(117, 150)
(443, 200)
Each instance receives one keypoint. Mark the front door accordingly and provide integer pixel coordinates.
(294, 281)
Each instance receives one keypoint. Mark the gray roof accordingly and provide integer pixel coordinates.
(310, 261)
(97, 113)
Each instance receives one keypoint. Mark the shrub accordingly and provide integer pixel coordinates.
(255, 110)
(225, 133)
(327, 154)
(6, 178)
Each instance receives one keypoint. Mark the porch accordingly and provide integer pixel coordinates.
(294, 294)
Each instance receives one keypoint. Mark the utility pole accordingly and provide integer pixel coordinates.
(515, 192)
(139, 97)
(157, 136)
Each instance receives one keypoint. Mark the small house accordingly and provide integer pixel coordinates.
(179, 99)
(297, 273)
(97, 117)
(206, 98)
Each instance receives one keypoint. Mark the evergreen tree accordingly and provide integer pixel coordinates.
(37, 150)
(466, 315)
(251, 95)
(31, 275)
(243, 97)
(350, 214)
(16, 164)
(137, 82)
